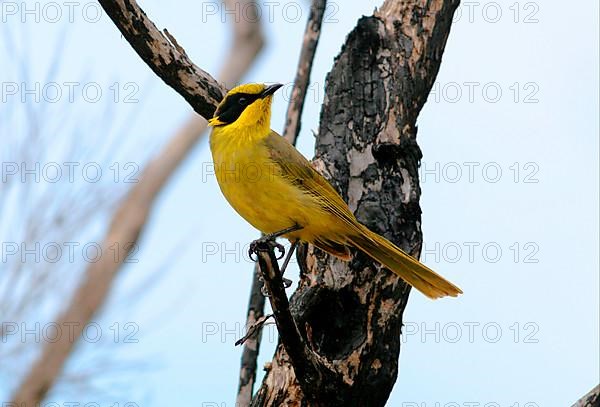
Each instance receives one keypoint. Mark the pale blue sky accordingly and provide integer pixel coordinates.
(522, 243)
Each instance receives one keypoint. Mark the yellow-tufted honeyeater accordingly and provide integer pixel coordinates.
(271, 185)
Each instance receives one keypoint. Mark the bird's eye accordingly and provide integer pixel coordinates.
(243, 101)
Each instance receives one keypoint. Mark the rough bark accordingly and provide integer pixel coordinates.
(350, 314)
(165, 57)
(592, 399)
(133, 212)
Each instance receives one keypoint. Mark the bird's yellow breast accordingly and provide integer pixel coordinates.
(252, 183)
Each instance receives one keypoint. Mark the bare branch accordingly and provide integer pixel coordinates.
(307, 55)
(165, 57)
(253, 329)
(255, 313)
(592, 399)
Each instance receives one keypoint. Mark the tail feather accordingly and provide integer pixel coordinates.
(403, 265)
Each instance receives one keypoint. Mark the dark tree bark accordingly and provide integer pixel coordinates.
(592, 399)
(350, 314)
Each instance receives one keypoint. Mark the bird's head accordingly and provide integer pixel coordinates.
(245, 106)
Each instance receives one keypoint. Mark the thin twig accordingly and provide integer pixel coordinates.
(255, 327)
(256, 309)
(307, 55)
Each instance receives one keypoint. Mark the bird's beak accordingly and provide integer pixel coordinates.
(269, 90)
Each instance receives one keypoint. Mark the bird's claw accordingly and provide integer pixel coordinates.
(265, 244)
(257, 246)
(281, 250)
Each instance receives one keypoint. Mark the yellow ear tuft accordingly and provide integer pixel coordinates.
(215, 122)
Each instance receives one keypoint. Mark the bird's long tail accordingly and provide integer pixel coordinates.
(406, 267)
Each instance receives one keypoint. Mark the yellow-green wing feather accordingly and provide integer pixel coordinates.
(298, 170)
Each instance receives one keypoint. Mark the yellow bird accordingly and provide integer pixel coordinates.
(271, 185)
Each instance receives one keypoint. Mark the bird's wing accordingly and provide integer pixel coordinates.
(299, 171)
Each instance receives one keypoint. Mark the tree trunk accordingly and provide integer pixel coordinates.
(350, 313)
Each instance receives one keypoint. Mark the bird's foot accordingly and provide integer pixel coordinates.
(265, 244)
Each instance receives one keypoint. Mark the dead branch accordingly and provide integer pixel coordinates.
(253, 329)
(174, 67)
(255, 313)
(592, 399)
(307, 55)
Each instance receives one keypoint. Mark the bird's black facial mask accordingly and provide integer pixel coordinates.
(233, 106)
